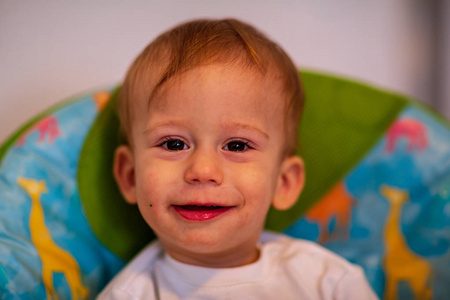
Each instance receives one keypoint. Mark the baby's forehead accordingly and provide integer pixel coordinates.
(232, 78)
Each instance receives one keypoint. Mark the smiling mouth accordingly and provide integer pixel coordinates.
(200, 212)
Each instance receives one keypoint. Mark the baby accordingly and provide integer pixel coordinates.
(209, 112)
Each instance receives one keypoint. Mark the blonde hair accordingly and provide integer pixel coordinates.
(203, 42)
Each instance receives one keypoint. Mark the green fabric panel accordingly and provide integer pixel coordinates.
(118, 225)
(342, 120)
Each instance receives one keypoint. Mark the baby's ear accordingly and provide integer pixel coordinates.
(123, 171)
(290, 183)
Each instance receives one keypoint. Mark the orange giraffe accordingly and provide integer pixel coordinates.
(101, 99)
(54, 258)
(400, 263)
(336, 203)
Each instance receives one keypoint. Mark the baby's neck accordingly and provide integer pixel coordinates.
(217, 260)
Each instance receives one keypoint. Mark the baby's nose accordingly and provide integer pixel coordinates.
(204, 167)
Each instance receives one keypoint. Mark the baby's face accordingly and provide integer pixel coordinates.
(207, 158)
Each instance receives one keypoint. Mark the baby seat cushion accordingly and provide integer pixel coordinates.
(377, 193)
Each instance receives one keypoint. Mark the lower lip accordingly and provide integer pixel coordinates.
(200, 214)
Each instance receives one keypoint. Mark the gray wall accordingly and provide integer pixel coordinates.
(51, 50)
(443, 72)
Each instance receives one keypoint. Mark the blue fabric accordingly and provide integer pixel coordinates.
(49, 152)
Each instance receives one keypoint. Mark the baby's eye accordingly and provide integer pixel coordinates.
(174, 145)
(236, 146)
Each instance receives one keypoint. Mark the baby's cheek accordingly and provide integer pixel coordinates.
(256, 185)
(154, 176)
(147, 184)
(150, 205)
(152, 179)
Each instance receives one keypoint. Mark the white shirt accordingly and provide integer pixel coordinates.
(287, 269)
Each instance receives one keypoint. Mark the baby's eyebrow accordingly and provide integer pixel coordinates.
(174, 123)
(245, 126)
(228, 125)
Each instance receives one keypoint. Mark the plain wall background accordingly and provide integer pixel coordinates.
(443, 63)
(52, 50)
